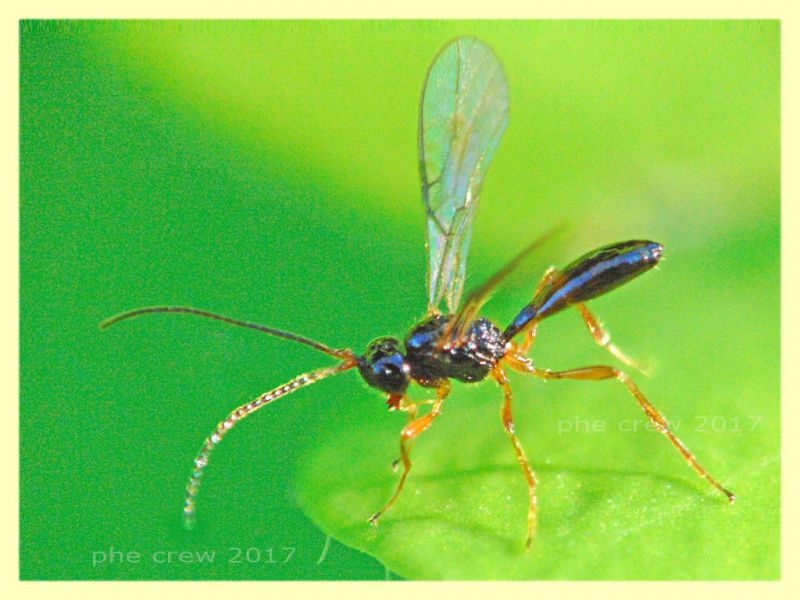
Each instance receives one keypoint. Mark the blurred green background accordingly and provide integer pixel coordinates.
(267, 170)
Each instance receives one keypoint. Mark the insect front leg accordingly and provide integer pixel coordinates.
(508, 424)
(411, 409)
(407, 435)
(599, 372)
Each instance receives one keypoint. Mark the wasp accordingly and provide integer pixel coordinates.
(463, 113)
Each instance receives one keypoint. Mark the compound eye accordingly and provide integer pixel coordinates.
(383, 366)
(391, 373)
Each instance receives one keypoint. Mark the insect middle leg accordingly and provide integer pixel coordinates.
(407, 435)
(598, 372)
(508, 424)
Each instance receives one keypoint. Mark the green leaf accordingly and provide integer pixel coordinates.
(613, 503)
(268, 170)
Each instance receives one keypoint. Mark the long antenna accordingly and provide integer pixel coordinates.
(245, 410)
(204, 313)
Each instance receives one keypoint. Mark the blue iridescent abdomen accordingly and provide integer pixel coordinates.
(593, 274)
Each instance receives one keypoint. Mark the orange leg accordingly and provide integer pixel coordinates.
(411, 409)
(407, 435)
(530, 335)
(603, 339)
(599, 334)
(595, 373)
(508, 424)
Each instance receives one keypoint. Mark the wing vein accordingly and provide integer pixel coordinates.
(463, 112)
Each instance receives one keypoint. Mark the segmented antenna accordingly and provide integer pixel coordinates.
(201, 460)
(237, 322)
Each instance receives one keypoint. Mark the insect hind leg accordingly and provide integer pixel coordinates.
(598, 373)
(530, 335)
(603, 339)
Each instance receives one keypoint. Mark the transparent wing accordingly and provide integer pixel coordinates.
(463, 113)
